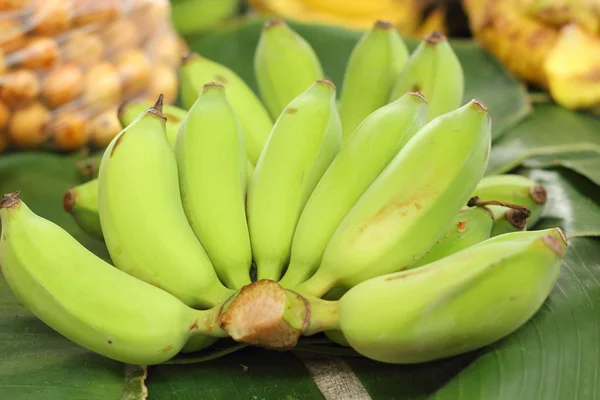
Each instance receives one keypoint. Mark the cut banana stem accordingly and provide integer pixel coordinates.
(285, 65)
(256, 123)
(372, 70)
(144, 224)
(82, 203)
(304, 141)
(366, 153)
(433, 70)
(212, 183)
(89, 301)
(408, 207)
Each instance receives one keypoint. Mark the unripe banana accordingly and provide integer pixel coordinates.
(256, 124)
(514, 189)
(89, 301)
(145, 228)
(457, 304)
(469, 227)
(82, 203)
(304, 141)
(433, 70)
(372, 70)
(211, 160)
(410, 204)
(285, 65)
(366, 153)
(129, 111)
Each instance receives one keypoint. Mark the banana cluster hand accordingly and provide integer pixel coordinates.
(372, 222)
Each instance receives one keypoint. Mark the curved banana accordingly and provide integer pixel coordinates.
(457, 304)
(211, 160)
(433, 70)
(372, 69)
(129, 111)
(366, 153)
(256, 124)
(469, 227)
(410, 204)
(82, 203)
(514, 189)
(144, 224)
(285, 65)
(304, 141)
(89, 301)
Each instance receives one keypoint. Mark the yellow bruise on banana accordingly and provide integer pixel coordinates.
(90, 302)
(144, 224)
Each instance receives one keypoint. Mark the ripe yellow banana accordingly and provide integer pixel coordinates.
(410, 204)
(143, 221)
(211, 160)
(82, 203)
(373, 67)
(469, 227)
(129, 111)
(365, 154)
(304, 141)
(285, 65)
(457, 304)
(256, 124)
(513, 189)
(89, 301)
(433, 70)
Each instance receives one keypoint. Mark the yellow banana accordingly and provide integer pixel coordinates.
(82, 203)
(129, 111)
(89, 301)
(285, 65)
(433, 70)
(366, 153)
(211, 160)
(256, 124)
(410, 204)
(304, 141)
(373, 67)
(143, 221)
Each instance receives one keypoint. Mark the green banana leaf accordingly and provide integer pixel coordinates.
(556, 355)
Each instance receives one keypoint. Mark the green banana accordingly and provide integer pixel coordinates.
(129, 111)
(372, 69)
(457, 304)
(304, 141)
(145, 227)
(285, 65)
(410, 204)
(89, 301)
(513, 189)
(195, 17)
(367, 152)
(256, 124)
(212, 182)
(469, 227)
(433, 70)
(82, 203)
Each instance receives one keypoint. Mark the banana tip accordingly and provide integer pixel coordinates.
(273, 23)
(480, 104)
(157, 108)
(538, 194)
(327, 81)
(417, 94)
(435, 37)
(555, 245)
(10, 199)
(187, 57)
(213, 85)
(383, 24)
(517, 217)
(69, 200)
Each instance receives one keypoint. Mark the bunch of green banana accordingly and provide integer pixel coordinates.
(406, 209)
(144, 224)
(305, 139)
(89, 301)
(285, 65)
(212, 182)
(433, 70)
(256, 124)
(373, 67)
